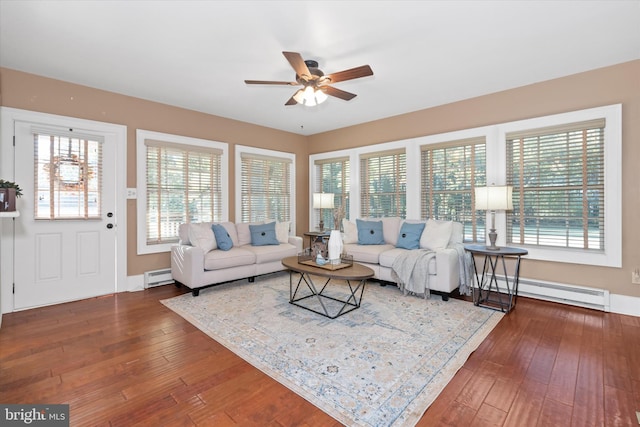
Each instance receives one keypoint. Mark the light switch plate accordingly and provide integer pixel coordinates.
(131, 193)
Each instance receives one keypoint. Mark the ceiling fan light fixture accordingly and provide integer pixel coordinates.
(310, 96)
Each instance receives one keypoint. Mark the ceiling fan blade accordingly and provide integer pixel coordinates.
(291, 101)
(330, 90)
(270, 82)
(353, 73)
(296, 61)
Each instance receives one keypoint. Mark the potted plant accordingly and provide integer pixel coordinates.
(8, 193)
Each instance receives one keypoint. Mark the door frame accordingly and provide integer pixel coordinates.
(8, 116)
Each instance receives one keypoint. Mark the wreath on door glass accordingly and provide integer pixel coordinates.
(69, 172)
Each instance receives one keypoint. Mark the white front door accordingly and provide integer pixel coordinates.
(65, 240)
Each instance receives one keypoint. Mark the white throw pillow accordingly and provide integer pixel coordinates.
(350, 232)
(436, 235)
(201, 235)
(282, 231)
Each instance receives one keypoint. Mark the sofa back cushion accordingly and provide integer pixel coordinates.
(263, 234)
(350, 230)
(370, 232)
(436, 235)
(201, 235)
(244, 234)
(391, 229)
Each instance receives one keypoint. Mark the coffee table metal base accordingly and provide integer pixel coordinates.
(349, 304)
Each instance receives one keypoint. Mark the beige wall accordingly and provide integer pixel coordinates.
(612, 85)
(35, 93)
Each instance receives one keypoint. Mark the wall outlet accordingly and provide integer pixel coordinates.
(131, 193)
(635, 276)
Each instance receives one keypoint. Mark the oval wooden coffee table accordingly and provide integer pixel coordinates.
(347, 301)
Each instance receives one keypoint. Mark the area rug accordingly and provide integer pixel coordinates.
(380, 365)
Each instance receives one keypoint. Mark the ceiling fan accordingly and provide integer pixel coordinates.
(316, 85)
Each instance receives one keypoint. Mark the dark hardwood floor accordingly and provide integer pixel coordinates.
(125, 359)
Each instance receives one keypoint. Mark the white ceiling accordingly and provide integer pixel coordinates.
(196, 54)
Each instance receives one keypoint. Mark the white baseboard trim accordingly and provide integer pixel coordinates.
(625, 304)
(135, 283)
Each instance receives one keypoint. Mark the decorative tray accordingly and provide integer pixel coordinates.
(306, 259)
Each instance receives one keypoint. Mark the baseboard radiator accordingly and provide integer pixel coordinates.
(581, 296)
(157, 278)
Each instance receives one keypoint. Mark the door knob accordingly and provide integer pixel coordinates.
(109, 226)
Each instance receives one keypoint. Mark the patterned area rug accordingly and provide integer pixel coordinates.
(380, 365)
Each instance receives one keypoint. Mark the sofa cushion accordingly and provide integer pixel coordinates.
(366, 253)
(266, 254)
(201, 235)
(264, 234)
(409, 236)
(244, 233)
(234, 257)
(223, 238)
(370, 232)
(391, 229)
(436, 235)
(387, 258)
(282, 231)
(350, 231)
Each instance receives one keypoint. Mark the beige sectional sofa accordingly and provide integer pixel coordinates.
(197, 261)
(446, 269)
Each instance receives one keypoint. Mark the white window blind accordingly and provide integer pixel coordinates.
(383, 184)
(265, 187)
(450, 173)
(67, 175)
(332, 176)
(557, 175)
(183, 185)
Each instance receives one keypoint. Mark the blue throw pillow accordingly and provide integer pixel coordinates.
(410, 234)
(370, 232)
(264, 234)
(223, 240)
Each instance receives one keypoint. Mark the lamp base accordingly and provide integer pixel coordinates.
(492, 239)
(321, 225)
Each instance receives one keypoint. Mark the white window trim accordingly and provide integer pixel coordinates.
(141, 190)
(270, 153)
(612, 255)
(495, 136)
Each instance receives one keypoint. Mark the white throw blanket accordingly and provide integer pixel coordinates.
(411, 271)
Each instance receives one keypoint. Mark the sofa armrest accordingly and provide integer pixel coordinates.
(187, 264)
(447, 264)
(297, 242)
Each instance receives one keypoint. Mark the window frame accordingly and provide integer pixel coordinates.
(611, 256)
(289, 157)
(141, 176)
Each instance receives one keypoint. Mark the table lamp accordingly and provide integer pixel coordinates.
(322, 201)
(494, 198)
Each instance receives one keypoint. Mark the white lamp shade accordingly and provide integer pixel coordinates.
(494, 198)
(323, 200)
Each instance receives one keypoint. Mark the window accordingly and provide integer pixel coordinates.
(383, 181)
(332, 176)
(558, 186)
(266, 185)
(184, 181)
(450, 173)
(68, 175)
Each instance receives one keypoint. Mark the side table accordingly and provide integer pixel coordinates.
(488, 293)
